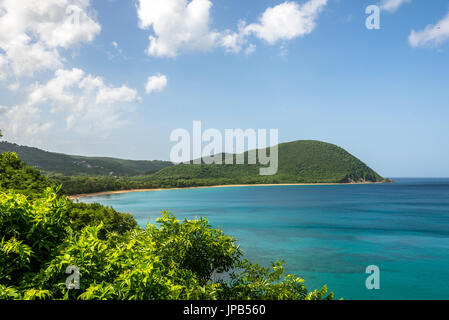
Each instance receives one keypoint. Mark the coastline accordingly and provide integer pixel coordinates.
(104, 193)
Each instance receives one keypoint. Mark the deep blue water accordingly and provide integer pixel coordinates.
(327, 234)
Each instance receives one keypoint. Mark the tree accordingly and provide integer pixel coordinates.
(16, 175)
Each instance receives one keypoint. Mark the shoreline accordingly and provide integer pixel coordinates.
(105, 193)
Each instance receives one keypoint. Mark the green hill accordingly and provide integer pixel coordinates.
(56, 163)
(299, 161)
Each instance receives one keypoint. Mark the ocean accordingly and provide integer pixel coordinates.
(326, 234)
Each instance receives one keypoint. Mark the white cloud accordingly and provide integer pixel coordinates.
(22, 124)
(250, 49)
(107, 95)
(33, 38)
(55, 90)
(116, 52)
(392, 5)
(14, 86)
(432, 35)
(156, 83)
(232, 41)
(178, 25)
(33, 32)
(287, 21)
(3, 68)
(89, 106)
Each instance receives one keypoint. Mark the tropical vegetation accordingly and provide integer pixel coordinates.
(299, 162)
(68, 165)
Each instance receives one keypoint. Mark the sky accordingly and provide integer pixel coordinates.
(115, 78)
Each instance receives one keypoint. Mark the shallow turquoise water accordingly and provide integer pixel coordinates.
(327, 234)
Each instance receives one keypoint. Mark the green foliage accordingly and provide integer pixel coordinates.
(82, 184)
(82, 215)
(254, 282)
(299, 162)
(194, 245)
(136, 266)
(62, 164)
(30, 232)
(175, 260)
(14, 174)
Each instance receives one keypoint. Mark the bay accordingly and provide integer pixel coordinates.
(326, 234)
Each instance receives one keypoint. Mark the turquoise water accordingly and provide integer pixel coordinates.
(327, 234)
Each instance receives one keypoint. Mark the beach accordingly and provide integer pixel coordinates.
(104, 193)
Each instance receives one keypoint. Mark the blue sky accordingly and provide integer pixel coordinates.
(379, 94)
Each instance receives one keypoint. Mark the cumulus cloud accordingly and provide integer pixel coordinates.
(107, 95)
(33, 32)
(234, 42)
(178, 25)
(287, 21)
(22, 124)
(157, 82)
(392, 5)
(182, 25)
(88, 105)
(432, 35)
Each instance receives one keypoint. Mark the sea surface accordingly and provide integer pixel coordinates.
(326, 234)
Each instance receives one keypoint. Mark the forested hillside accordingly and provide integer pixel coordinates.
(299, 161)
(56, 163)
